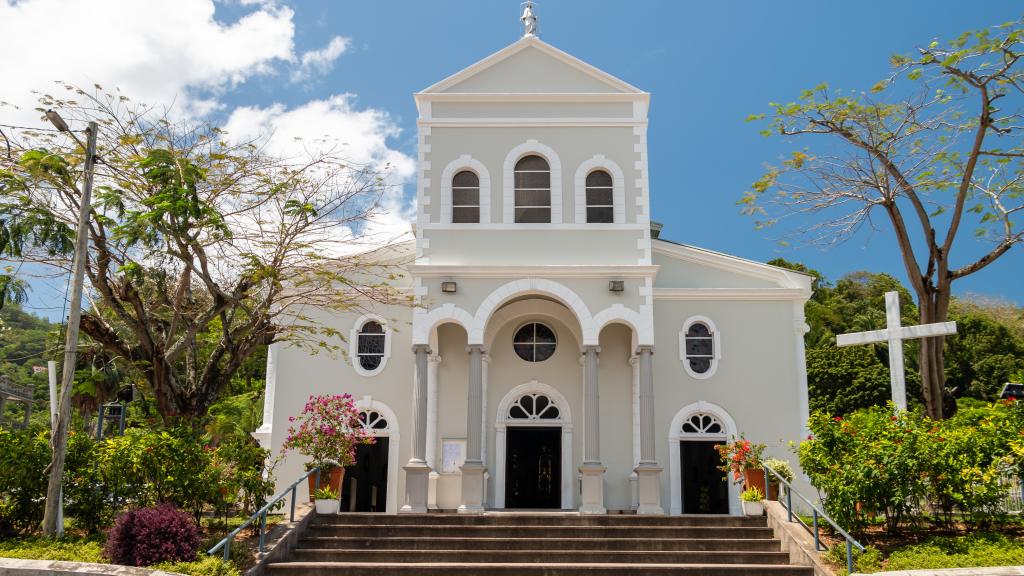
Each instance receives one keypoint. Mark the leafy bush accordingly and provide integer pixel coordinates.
(24, 454)
(749, 495)
(147, 536)
(204, 566)
(971, 551)
(69, 549)
(782, 467)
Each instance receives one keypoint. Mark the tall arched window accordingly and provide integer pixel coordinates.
(465, 198)
(700, 352)
(371, 345)
(532, 190)
(600, 207)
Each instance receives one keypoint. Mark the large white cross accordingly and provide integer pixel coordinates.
(895, 334)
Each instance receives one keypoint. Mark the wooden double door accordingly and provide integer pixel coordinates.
(533, 467)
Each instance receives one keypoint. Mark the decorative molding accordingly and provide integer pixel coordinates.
(516, 288)
(716, 347)
(780, 276)
(534, 227)
(508, 179)
(353, 344)
(599, 162)
(424, 322)
(676, 435)
(737, 294)
(465, 162)
(394, 437)
(553, 271)
(425, 98)
(528, 122)
(527, 311)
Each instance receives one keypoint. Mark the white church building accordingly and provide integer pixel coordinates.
(562, 356)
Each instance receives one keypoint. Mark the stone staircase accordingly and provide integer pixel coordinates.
(534, 544)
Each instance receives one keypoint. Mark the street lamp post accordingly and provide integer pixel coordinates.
(53, 515)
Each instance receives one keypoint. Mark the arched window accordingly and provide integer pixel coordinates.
(371, 345)
(702, 423)
(532, 190)
(465, 198)
(372, 420)
(600, 207)
(534, 342)
(699, 351)
(534, 406)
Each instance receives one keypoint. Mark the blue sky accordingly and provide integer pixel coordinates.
(707, 65)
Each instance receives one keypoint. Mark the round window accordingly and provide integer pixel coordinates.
(534, 342)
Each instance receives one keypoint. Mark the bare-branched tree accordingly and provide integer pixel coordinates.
(935, 147)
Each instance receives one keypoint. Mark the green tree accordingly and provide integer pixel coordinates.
(933, 156)
(202, 250)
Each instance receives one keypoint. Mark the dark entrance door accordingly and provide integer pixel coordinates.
(533, 468)
(365, 488)
(705, 490)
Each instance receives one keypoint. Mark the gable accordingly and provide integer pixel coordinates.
(531, 66)
(682, 266)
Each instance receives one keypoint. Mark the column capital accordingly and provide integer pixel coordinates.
(633, 359)
(434, 359)
(648, 348)
(476, 347)
(591, 348)
(421, 348)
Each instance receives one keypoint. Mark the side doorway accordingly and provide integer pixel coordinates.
(365, 487)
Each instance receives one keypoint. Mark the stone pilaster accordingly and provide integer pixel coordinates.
(473, 468)
(417, 471)
(593, 472)
(648, 472)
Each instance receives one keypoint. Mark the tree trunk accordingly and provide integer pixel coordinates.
(933, 307)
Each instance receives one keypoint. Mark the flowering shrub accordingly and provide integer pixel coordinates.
(328, 431)
(739, 456)
(150, 535)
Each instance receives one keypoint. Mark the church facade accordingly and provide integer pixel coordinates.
(561, 355)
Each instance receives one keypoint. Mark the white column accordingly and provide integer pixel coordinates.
(483, 421)
(592, 470)
(264, 432)
(648, 471)
(433, 362)
(473, 468)
(634, 363)
(416, 471)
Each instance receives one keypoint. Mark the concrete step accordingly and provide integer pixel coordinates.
(488, 543)
(521, 531)
(466, 555)
(545, 569)
(543, 519)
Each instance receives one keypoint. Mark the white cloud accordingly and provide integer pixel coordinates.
(357, 135)
(319, 62)
(160, 52)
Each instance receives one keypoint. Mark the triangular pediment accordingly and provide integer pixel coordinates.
(531, 66)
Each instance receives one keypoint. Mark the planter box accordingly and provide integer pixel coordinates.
(327, 506)
(749, 508)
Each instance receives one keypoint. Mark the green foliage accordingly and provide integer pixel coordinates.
(68, 548)
(782, 467)
(842, 380)
(752, 495)
(204, 566)
(979, 549)
(875, 461)
(23, 456)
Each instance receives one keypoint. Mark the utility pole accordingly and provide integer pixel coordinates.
(59, 436)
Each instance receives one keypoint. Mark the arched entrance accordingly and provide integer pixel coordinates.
(696, 483)
(371, 484)
(533, 449)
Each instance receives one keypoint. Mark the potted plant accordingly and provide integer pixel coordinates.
(327, 431)
(782, 468)
(751, 499)
(326, 501)
(742, 459)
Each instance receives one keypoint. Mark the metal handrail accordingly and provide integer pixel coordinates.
(851, 542)
(261, 514)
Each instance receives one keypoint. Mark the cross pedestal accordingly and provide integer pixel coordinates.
(895, 334)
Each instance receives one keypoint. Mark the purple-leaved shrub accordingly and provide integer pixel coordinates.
(146, 536)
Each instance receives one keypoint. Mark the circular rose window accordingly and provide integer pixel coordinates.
(534, 342)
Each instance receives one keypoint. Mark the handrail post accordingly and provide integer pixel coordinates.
(849, 557)
(816, 539)
(227, 549)
(789, 502)
(292, 518)
(316, 485)
(263, 528)
(766, 472)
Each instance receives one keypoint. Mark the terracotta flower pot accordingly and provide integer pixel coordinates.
(753, 478)
(331, 479)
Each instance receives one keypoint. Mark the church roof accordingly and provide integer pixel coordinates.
(784, 277)
(531, 66)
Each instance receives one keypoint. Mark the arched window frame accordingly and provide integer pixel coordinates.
(465, 162)
(531, 148)
(599, 162)
(716, 344)
(353, 344)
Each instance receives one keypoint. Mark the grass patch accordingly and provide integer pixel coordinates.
(970, 551)
(205, 566)
(69, 548)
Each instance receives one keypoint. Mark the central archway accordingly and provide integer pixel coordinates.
(553, 412)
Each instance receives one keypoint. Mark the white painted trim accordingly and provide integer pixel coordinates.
(394, 437)
(517, 288)
(498, 122)
(424, 322)
(424, 98)
(553, 271)
(643, 327)
(264, 434)
(716, 343)
(531, 311)
(676, 435)
(534, 227)
(502, 422)
(802, 401)
(599, 162)
(508, 179)
(353, 344)
(518, 46)
(465, 162)
(737, 294)
(780, 276)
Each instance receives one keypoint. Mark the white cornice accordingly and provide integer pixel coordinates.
(534, 227)
(733, 294)
(531, 96)
(784, 278)
(521, 122)
(547, 271)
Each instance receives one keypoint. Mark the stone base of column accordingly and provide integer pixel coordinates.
(649, 488)
(432, 490)
(416, 485)
(472, 488)
(592, 498)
